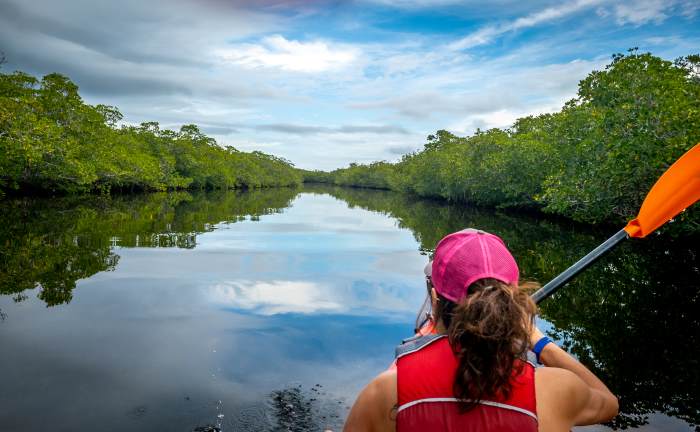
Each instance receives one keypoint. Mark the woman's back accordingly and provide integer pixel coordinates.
(470, 374)
(563, 400)
(425, 376)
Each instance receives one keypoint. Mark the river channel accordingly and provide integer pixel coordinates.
(269, 310)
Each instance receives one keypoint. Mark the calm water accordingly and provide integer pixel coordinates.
(269, 310)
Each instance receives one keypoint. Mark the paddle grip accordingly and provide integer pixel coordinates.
(579, 266)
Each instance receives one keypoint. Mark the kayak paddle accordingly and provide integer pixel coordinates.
(677, 189)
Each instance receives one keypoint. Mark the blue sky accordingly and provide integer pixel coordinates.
(325, 83)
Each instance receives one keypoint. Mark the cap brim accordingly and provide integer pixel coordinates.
(428, 269)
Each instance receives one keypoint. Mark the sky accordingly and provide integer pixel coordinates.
(324, 83)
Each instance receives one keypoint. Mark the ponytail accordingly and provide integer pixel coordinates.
(488, 330)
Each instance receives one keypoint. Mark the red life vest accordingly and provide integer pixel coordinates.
(426, 368)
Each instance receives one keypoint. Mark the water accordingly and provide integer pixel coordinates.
(269, 310)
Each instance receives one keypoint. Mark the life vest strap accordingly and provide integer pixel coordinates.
(414, 344)
(483, 402)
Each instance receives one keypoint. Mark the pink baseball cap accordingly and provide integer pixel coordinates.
(466, 256)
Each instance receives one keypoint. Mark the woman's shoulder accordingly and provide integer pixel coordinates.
(557, 381)
(375, 408)
(560, 396)
(385, 382)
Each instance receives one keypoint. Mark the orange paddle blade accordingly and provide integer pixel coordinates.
(677, 189)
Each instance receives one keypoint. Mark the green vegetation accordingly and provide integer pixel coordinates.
(594, 161)
(51, 140)
(609, 316)
(632, 317)
(52, 243)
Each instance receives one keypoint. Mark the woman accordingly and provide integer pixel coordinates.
(472, 373)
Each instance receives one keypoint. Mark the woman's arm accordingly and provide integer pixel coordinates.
(374, 409)
(582, 394)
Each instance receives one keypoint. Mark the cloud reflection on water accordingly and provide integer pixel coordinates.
(274, 297)
(319, 292)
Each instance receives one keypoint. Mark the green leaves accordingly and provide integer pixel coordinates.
(627, 125)
(594, 161)
(51, 140)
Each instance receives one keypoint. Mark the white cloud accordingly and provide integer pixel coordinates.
(329, 151)
(552, 13)
(690, 8)
(480, 37)
(488, 33)
(497, 119)
(662, 40)
(290, 55)
(635, 12)
(313, 99)
(544, 90)
(642, 11)
(415, 4)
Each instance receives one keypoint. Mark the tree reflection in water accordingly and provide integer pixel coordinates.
(52, 243)
(632, 317)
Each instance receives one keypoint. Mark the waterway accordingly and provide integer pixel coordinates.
(269, 310)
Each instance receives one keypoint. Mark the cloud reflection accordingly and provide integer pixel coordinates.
(274, 297)
(307, 297)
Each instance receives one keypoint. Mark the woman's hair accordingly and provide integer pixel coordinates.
(488, 330)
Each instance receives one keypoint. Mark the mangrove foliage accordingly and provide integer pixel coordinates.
(51, 243)
(51, 140)
(593, 161)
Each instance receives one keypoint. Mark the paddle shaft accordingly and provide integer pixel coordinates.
(579, 266)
